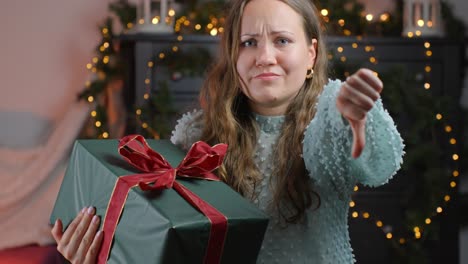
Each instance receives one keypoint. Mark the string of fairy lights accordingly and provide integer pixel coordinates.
(214, 28)
(417, 230)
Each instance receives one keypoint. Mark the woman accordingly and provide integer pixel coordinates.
(298, 143)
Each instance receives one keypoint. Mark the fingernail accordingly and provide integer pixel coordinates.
(99, 233)
(83, 210)
(95, 219)
(90, 210)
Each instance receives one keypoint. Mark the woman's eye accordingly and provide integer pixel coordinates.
(248, 43)
(283, 41)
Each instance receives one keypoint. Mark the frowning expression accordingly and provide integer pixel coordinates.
(274, 55)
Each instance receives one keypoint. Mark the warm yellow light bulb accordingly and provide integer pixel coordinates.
(355, 214)
(366, 215)
(428, 53)
(428, 221)
(340, 49)
(379, 223)
(427, 86)
(150, 64)
(214, 32)
(138, 111)
(455, 173)
(98, 124)
(389, 235)
(410, 34)
(455, 156)
(180, 38)
(427, 45)
(171, 12)
(384, 17)
(354, 45)
(352, 204)
(439, 210)
(197, 26)
(417, 235)
(420, 23)
(105, 135)
(447, 198)
(369, 17)
(448, 129)
(324, 12)
(93, 113)
(341, 22)
(146, 96)
(90, 98)
(356, 188)
(453, 141)
(147, 81)
(428, 68)
(343, 58)
(402, 240)
(438, 116)
(144, 125)
(453, 184)
(175, 48)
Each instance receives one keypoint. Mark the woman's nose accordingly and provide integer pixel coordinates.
(265, 55)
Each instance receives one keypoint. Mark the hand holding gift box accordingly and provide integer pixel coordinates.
(163, 226)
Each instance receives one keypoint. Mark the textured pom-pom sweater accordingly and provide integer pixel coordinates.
(324, 237)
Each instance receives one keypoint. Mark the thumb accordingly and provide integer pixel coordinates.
(56, 231)
(359, 137)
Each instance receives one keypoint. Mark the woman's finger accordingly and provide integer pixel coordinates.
(349, 110)
(88, 238)
(91, 256)
(359, 137)
(80, 231)
(371, 78)
(57, 230)
(356, 97)
(71, 229)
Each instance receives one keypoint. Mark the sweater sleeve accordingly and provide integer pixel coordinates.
(328, 141)
(188, 129)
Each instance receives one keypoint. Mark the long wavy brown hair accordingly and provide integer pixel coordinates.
(228, 119)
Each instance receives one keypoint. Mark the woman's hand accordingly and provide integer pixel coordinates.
(356, 97)
(80, 243)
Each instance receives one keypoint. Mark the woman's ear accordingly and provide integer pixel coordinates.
(313, 52)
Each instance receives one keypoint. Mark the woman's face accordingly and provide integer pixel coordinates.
(274, 55)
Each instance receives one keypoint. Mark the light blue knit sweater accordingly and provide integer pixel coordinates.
(324, 238)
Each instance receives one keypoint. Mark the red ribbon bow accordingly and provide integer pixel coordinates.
(158, 174)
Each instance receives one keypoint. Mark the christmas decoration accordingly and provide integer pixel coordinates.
(422, 18)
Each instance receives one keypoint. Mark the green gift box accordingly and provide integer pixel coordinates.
(157, 226)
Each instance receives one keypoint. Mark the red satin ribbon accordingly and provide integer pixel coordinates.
(158, 174)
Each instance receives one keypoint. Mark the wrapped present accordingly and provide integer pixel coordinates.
(158, 204)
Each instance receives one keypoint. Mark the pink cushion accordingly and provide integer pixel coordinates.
(31, 255)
